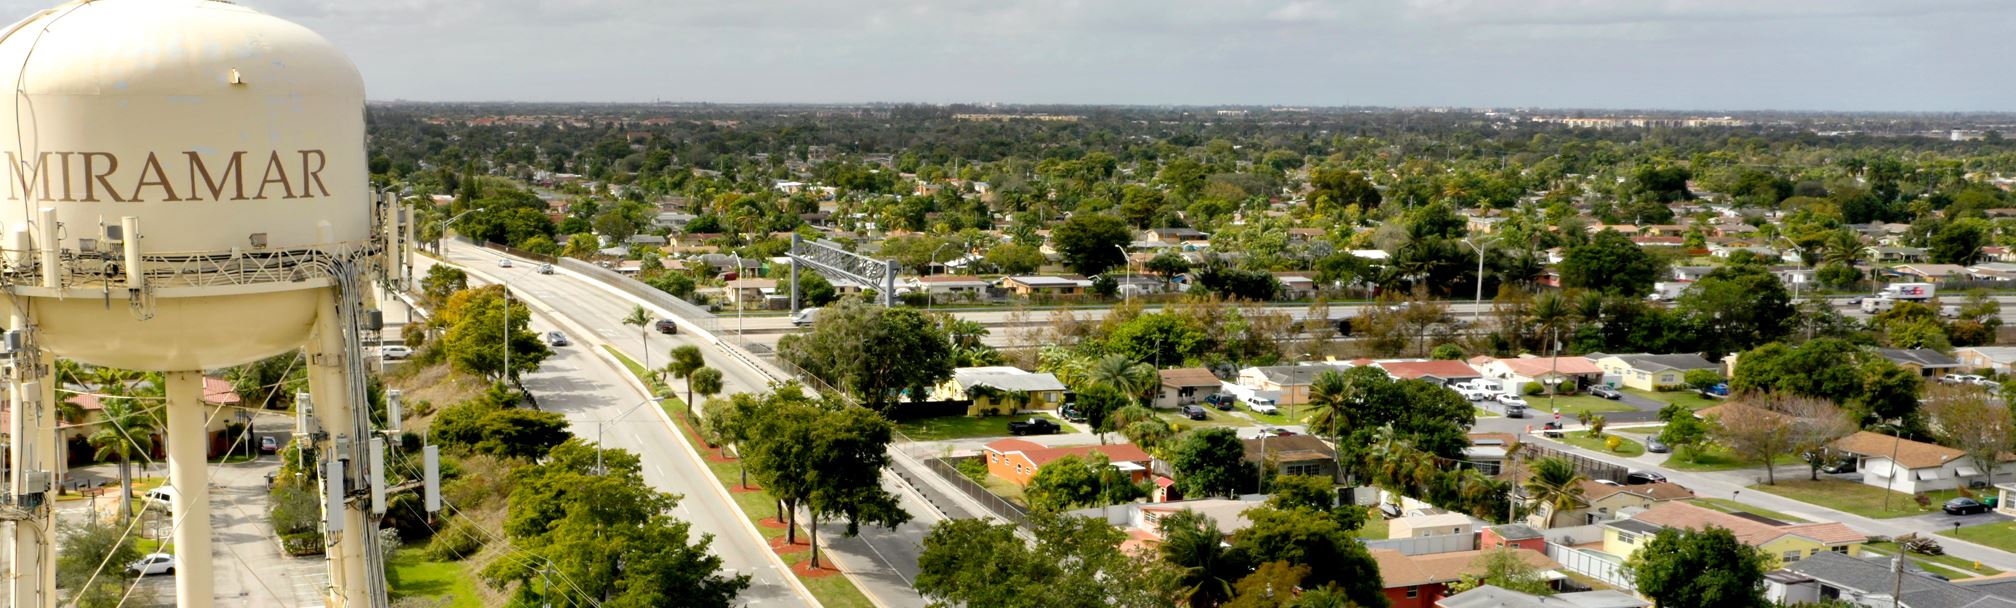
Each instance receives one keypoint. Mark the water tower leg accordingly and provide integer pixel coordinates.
(334, 411)
(32, 581)
(188, 459)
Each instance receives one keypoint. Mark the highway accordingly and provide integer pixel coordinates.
(587, 388)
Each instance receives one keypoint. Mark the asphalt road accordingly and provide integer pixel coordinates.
(882, 561)
(577, 383)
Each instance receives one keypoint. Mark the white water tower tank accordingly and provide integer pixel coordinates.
(236, 139)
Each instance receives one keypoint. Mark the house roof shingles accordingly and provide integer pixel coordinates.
(1188, 377)
(1679, 514)
(1040, 455)
(1398, 569)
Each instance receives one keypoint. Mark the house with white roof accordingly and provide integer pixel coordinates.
(1001, 388)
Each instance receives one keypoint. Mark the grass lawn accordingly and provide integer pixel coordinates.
(963, 427)
(1301, 412)
(1692, 400)
(410, 574)
(1642, 430)
(1629, 448)
(1729, 506)
(1484, 413)
(1374, 528)
(1572, 404)
(140, 486)
(1718, 458)
(2000, 535)
(1858, 498)
(837, 591)
(1960, 567)
(1212, 417)
(1005, 489)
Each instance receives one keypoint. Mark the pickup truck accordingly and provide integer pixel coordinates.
(1033, 426)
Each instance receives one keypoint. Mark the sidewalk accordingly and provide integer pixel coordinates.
(1732, 485)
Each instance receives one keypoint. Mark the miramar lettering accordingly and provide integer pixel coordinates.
(92, 177)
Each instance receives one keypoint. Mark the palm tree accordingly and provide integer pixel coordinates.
(1843, 246)
(128, 431)
(1551, 312)
(686, 359)
(1207, 569)
(1120, 373)
(1556, 486)
(642, 319)
(1331, 397)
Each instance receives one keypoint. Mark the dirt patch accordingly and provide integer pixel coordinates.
(439, 385)
(738, 489)
(772, 523)
(806, 570)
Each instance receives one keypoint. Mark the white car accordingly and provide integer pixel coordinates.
(1962, 379)
(153, 563)
(503, 262)
(1473, 394)
(1511, 400)
(394, 351)
(1261, 405)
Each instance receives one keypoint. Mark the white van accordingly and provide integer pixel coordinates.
(162, 498)
(1260, 404)
(805, 317)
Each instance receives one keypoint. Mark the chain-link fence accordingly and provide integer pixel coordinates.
(993, 502)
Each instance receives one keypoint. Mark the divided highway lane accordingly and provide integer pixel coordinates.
(883, 561)
(576, 384)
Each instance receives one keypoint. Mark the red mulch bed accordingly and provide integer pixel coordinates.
(806, 570)
(738, 489)
(772, 523)
(778, 545)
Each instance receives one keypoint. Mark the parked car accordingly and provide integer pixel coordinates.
(1844, 465)
(1274, 432)
(1605, 392)
(153, 563)
(395, 351)
(1960, 379)
(1033, 426)
(1222, 401)
(1070, 412)
(503, 262)
(1194, 412)
(1473, 394)
(554, 338)
(545, 269)
(1639, 478)
(1608, 482)
(1653, 445)
(1964, 506)
(162, 498)
(1719, 390)
(1510, 399)
(666, 326)
(1261, 405)
(269, 444)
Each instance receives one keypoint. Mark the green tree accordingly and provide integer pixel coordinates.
(86, 546)
(1162, 339)
(441, 282)
(1959, 241)
(1087, 481)
(1210, 462)
(1166, 266)
(686, 359)
(1503, 568)
(1703, 379)
(815, 290)
(581, 246)
(487, 424)
(1738, 306)
(1699, 568)
(1097, 404)
(1015, 259)
(849, 451)
(707, 381)
(1122, 374)
(1207, 568)
(873, 353)
(1075, 562)
(1554, 486)
(1090, 243)
(1333, 189)
(484, 322)
(1315, 539)
(607, 533)
(1611, 263)
(128, 432)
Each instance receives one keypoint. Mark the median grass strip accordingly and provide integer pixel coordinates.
(1626, 447)
(1857, 498)
(1999, 535)
(756, 504)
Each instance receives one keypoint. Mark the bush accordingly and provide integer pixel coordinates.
(1596, 426)
(295, 509)
(301, 543)
(1532, 389)
(1613, 442)
(460, 539)
(974, 469)
(1446, 352)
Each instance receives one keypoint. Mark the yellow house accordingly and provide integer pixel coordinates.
(1647, 372)
(1001, 388)
(1782, 541)
(1603, 502)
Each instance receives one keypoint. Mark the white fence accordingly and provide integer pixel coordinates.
(1427, 545)
(1593, 564)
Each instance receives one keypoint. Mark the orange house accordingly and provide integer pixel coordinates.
(1017, 460)
(1418, 581)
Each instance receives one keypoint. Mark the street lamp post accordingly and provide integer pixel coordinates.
(1125, 262)
(740, 339)
(446, 222)
(1800, 277)
(1477, 305)
(604, 423)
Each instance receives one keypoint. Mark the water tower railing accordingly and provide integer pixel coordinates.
(199, 269)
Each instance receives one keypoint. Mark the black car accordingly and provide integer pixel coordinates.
(1033, 426)
(1605, 392)
(1194, 413)
(1639, 478)
(666, 326)
(1964, 506)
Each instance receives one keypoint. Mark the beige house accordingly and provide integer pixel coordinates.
(1291, 382)
(1028, 286)
(1649, 372)
(1001, 388)
(1186, 386)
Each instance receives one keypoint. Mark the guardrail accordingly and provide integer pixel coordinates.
(993, 502)
(687, 311)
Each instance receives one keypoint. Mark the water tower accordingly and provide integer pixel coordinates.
(184, 188)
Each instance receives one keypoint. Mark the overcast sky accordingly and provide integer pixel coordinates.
(1680, 54)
